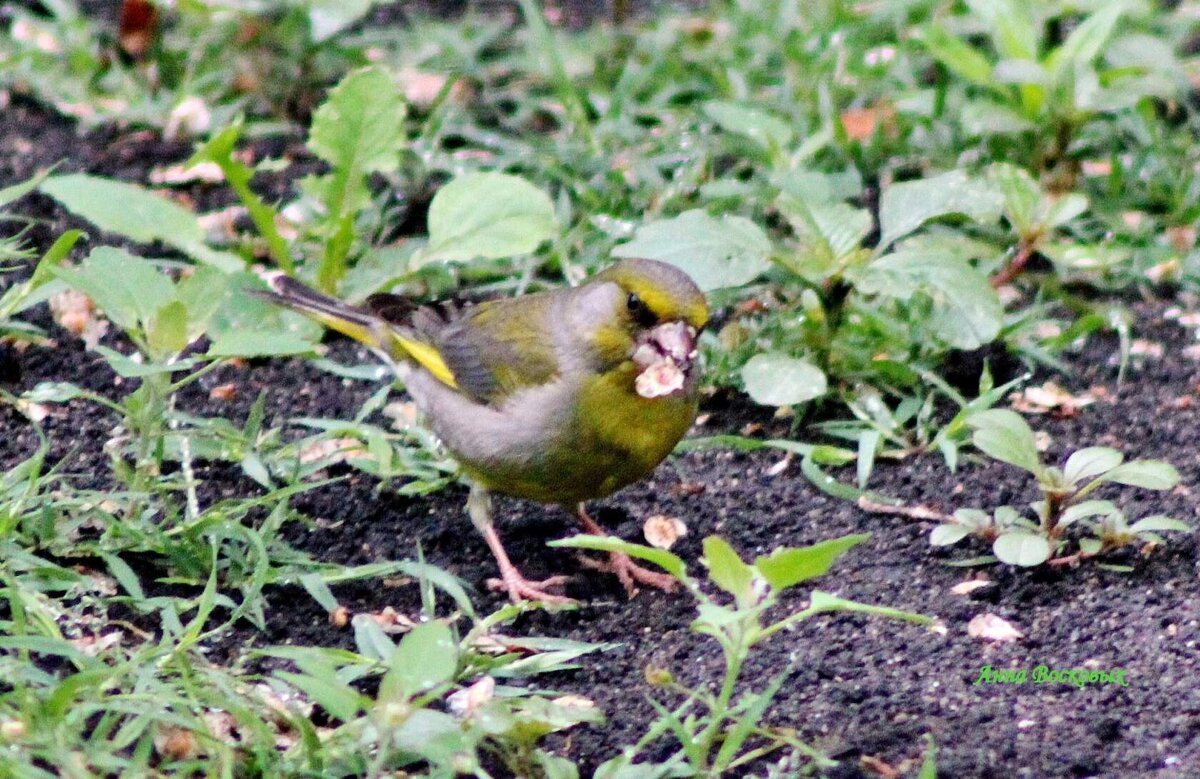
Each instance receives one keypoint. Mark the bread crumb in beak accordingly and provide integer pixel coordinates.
(660, 378)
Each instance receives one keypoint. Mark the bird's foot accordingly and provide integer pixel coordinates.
(521, 589)
(630, 574)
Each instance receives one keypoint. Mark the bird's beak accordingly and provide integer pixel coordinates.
(664, 356)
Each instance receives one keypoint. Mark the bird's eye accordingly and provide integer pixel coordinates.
(640, 311)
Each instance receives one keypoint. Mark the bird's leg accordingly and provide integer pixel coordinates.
(479, 506)
(629, 573)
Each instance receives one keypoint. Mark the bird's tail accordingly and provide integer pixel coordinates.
(396, 345)
(332, 313)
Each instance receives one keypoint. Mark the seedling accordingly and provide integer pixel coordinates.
(716, 733)
(1019, 540)
(161, 318)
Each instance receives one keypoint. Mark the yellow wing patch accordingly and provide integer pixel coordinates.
(428, 358)
(425, 355)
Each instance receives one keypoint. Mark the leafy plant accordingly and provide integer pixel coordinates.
(717, 733)
(161, 318)
(359, 131)
(1027, 83)
(1019, 540)
(437, 700)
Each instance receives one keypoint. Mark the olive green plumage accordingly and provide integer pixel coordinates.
(548, 396)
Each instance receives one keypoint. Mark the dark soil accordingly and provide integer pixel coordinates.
(858, 687)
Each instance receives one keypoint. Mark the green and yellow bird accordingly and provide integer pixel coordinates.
(557, 397)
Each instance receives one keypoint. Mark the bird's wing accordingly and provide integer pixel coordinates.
(490, 350)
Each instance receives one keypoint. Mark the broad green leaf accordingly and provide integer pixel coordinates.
(259, 343)
(1021, 548)
(358, 130)
(1011, 23)
(1159, 522)
(790, 566)
(554, 766)
(728, 571)
(1142, 51)
(1005, 436)
(987, 117)
(426, 658)
(777, 379)
(814, 186)
(1006, 517)
(717, 253)
(1147, 474)
(360, 126)
(770, 132)
(329, 17)
(670, 563)
(167, 330)
(1063, 209)
(1086, 509)
(1021, 195)
(828, 233)
(340, 700)
(958, 56)
(201, 293)
(436, 737)
(241, 312)
(1020, 72)
(973, 519)
(1085, 42)
(54, 392)
(906, 206)
(490, 215)
(129, 290)
(1087, 257)
(945, 535)
(967, 312)
(136, 213)
(1091, 462)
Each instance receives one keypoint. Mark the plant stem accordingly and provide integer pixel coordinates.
(1019, 261)
(261, 214)
(735, 656)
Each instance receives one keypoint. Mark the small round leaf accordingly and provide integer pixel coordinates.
(776, 379)
(945, 535)
(1020, 548)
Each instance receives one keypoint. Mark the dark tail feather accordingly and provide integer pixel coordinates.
(329, 311)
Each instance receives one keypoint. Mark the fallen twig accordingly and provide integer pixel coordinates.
(912, 512)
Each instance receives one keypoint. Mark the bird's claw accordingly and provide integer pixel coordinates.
(630, 574)
(521, 589)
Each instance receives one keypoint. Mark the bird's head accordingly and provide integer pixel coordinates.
(654, 316)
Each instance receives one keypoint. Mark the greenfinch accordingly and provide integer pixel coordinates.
(557, 397)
